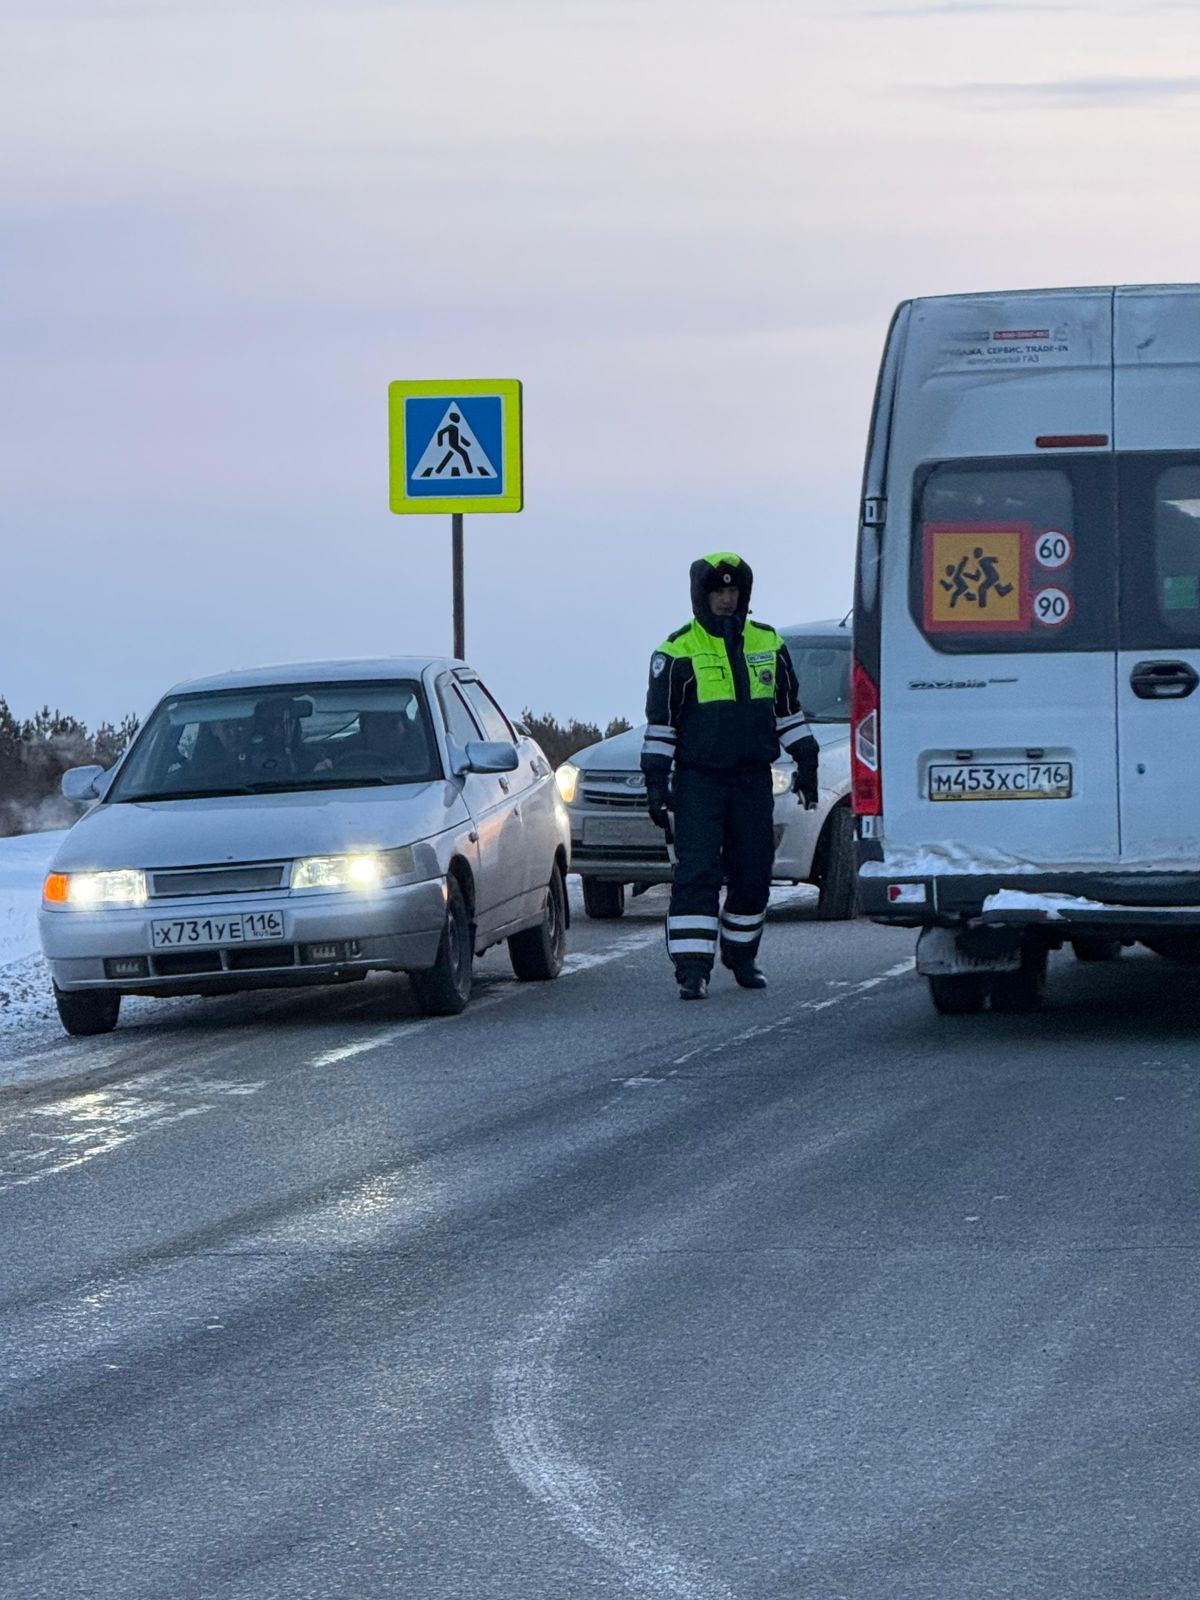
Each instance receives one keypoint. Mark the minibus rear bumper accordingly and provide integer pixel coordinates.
(1121, 902)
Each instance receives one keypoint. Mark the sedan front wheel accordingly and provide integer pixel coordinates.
(84, 1012)
(443, 990)
(538, 953)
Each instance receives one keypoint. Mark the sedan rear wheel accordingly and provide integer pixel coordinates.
(443, 990)
(538, 953)
(87, 1011)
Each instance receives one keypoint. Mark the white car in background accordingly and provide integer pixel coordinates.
(309, 824)
(615, 845)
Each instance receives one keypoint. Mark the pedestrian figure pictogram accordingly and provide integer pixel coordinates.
(453, 452)
(957, 582)
(976, 578)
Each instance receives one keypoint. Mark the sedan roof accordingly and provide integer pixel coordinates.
(834, 630)
(350, 671)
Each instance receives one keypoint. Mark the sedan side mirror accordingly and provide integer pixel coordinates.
(84, 783)
(486, 755)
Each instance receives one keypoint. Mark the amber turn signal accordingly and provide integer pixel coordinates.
(54, 890)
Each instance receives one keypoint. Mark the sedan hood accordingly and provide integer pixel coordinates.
(623, 752)
(247, 827)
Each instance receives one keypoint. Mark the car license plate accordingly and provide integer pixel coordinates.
(1002, 780)
(250, 927)
(634, 828)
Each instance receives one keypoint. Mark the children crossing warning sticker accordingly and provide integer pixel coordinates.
(977, 577)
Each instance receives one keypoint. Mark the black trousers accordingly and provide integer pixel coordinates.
(724, 829)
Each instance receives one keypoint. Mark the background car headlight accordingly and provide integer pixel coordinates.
(781, 780)
(125, 887)
(370, 869)
(567, 778)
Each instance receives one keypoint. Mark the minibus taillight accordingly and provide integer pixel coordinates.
(867, 789)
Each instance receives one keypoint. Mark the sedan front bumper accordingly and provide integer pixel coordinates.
(325, 936)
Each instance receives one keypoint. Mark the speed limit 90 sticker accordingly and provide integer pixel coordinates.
(1052, 607)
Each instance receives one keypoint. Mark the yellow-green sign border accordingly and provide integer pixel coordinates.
(509, 390)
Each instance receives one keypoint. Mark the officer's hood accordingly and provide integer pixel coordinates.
(717, 570)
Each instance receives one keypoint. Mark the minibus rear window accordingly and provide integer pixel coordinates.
(1013, 555)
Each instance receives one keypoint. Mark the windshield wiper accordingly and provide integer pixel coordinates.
(180, 794)
(299, 786)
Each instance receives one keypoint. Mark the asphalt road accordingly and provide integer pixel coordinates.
(590, 1294)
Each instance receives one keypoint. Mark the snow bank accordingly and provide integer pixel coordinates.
(25, 995)
(23, 863)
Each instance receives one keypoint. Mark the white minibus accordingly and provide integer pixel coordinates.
(1026, 732)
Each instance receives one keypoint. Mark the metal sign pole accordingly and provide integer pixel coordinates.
(460, 625)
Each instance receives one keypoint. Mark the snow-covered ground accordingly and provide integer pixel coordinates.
(24, 983)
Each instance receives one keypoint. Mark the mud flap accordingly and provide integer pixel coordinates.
(949, 952)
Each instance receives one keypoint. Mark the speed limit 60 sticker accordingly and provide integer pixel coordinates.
(1052, 607)
(1053, 549)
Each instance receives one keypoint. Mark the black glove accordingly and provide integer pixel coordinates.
(658, 799)
(805, 788)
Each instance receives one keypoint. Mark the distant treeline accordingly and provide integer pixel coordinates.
(560, 740)
(33, 757)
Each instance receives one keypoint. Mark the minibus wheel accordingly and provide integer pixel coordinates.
(1024, 989)
(958, 994)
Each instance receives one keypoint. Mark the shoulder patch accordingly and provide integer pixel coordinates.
(658, 664)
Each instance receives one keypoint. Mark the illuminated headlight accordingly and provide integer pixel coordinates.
(373, 869)
(126, 887)
(567, 779)
(781, 780)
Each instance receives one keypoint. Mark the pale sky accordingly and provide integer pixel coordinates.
(227, 224)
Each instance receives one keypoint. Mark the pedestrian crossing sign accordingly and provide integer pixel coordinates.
(455, 445)
(977, 577)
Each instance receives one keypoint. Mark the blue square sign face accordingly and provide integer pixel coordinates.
(454, 447)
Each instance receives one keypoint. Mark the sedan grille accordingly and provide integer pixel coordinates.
(625, 791)
(250, 878)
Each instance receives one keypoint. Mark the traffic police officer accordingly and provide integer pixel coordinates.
(723, 697)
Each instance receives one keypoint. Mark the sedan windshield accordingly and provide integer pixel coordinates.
(823, 668)
(281, 738)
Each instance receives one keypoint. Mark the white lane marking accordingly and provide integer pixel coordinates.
(527, 1392)
(716, 1047)
(582, 961)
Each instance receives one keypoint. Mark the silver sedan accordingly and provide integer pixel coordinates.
(309, 824)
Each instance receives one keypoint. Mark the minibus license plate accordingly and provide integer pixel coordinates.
(251, 927)
(1002, 780)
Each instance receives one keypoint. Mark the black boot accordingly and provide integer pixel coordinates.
(750, 976)
(693, 986)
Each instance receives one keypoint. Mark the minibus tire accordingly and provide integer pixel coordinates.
(603, 901)
(958, 994)
(1095, 947)
(1022, 990)
(838, 899)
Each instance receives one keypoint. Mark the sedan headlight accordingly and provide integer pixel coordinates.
(567, 779)
(125, 887)
(370, 869)
(781, 780)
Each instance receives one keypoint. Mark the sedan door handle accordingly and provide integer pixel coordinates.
(1163, 680)
(504, 784)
